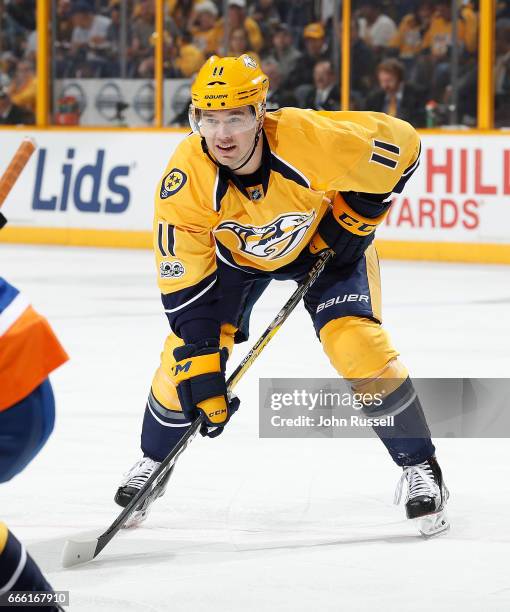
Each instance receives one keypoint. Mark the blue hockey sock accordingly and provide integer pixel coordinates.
(18, 571)
(408, 440)
(161, 429)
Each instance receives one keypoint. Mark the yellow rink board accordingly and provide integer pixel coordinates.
(388, 249)
(77, 237)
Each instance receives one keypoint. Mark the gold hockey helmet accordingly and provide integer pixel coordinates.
(228, 82)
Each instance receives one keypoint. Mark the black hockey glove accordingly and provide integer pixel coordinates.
(199, 374)
(345, 231)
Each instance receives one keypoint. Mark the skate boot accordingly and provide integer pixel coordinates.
(426, 496)
(133, 481)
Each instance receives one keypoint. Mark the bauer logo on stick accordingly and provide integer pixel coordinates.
(172, 183)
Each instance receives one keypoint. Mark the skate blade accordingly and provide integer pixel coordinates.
(434, 524)
(136, 519)
(141, 513)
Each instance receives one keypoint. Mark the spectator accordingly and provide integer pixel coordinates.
(11, 114)
(325, 95)
(62, 45)
(30, 47)
(8, 64)
(433, 66)
(408, 39)
(375, 28)
(89, 46)
(239, 44)
(438, 37)
(180, 12)
(236, 18)
(17, 18)
(189, 59)
(181, 59)
(277, 96)
(203, 27)
(502, 72)
(314, 37)
(283, 50)
(327, 10)
(23, 89)
(267, 17)
(64, 20)
(23, 13)
(362, 66)
(502, 10)
(113, 34)
(297, 14)
(395, 97)
(142, 29)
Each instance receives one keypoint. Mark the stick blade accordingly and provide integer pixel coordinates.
(77, 552)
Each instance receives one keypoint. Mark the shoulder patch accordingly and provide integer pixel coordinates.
(173, 181)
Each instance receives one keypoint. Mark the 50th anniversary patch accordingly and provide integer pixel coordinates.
(173, 181)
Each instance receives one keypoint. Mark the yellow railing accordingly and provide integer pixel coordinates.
(346, 55)
(485, 63)
(43, 63)
(158, 63)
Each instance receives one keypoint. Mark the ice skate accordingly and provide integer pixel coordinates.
(133, 481)
(426, 496)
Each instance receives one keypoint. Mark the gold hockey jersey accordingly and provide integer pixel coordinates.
(203, 212)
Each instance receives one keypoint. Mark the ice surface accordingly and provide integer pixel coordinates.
(250, 524)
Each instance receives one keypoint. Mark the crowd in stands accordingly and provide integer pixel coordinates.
(401, 50)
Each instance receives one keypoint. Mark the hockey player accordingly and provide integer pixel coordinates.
(29, 352)
(250, 197)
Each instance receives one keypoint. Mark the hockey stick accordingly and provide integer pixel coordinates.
(13, 170)
(80, 551)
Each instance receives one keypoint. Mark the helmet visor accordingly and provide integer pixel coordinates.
(225, 122)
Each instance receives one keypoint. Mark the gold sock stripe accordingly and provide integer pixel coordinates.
(4, 534)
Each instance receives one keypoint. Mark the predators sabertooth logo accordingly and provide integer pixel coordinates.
(273, 240)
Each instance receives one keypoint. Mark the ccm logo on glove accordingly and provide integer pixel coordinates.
(353, 221)
(355, 226)
(346, 231)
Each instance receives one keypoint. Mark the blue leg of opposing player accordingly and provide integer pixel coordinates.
(24, 429)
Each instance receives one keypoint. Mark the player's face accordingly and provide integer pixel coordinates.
(229, 134)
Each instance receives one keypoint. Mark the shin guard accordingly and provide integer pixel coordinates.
(361, 352)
